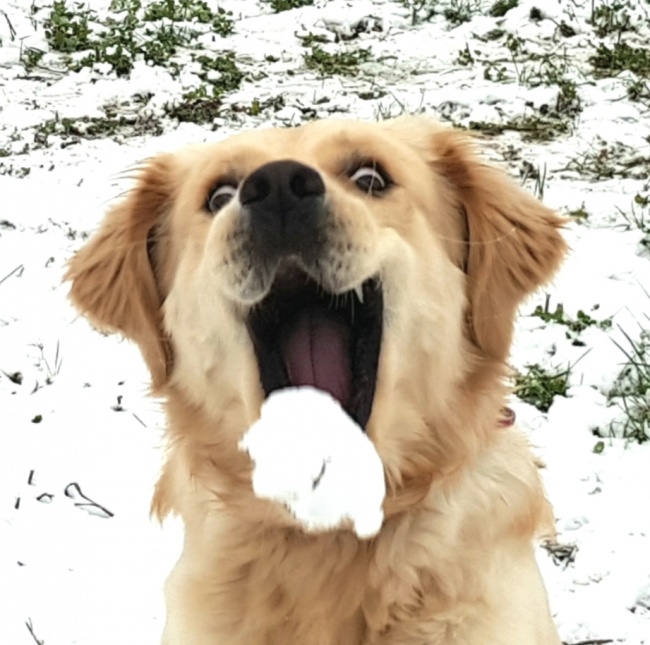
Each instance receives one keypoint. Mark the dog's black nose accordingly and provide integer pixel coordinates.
(285, 203)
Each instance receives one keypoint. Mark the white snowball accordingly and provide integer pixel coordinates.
(312, 457)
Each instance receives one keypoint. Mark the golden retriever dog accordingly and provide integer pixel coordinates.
(383, 263)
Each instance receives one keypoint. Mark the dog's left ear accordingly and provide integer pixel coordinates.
(113, 281)
(514, 242)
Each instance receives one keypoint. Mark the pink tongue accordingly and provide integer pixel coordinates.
(316, 352)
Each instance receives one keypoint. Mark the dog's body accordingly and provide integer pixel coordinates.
(219, 244)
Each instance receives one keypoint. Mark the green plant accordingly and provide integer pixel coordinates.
(197, 106)
(610, 61)
(345, 63)
(31, 57)
(631, 392)
(221, 72)
(578, 214)
(155, 32)
(96, 127)
(638, 218)
(532, 127)
(539, 387)
(460, 11)
(190, 11)
(501, 7)
(285, 5)
(576, 325)
(465, 57)
(53, 369)
(67, 29)
(420, 10)
(639, 90)
(567, 100)
(607, 160)
(611, 18)
(537, 174)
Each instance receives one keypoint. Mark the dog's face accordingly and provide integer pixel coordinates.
(379, 262)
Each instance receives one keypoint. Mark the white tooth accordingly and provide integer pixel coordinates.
(359, 291)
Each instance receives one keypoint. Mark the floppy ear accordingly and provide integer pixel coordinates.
(514, 243)
(113, 281)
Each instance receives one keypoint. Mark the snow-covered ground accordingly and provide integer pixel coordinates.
(80, 563)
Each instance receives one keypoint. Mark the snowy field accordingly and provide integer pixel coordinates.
(558, 91)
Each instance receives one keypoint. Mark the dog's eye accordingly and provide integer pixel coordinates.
(370, 180)
(220, 196)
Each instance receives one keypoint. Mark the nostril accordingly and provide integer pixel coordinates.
(306, 183)
(256, 189)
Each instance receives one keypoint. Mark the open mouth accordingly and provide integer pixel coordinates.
(304, 335)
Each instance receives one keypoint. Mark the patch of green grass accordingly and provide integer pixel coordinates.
(221, 72)
(578, 214)
(542, 70)
(257, 107)
(576, 325)
(460, 11)
(19, 172)
(31, 57)
(639, 90)
(607, 160)
(538, 174)
(534, 70)
(345, 63)
(465, 57)
(539, 387)
(285, 5)
(197, 106)
(155, 31)
(203, 104)
(608, 19)
(494, 34)
(70, 130)
(421, 10)
(631, 392)
(638, 218)
(531, 128)
(568, 100)
(310, 39)
(67, 29)
(188, 11)
(501, 7)
(610, 61)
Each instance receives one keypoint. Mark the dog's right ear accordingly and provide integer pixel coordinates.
(113, 281)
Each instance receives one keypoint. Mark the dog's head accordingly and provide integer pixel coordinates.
(382, 263)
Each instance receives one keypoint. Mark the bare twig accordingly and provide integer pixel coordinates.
(30, 628)
(18, 268)
(12, 31)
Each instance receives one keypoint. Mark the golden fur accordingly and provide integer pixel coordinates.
(457, 246)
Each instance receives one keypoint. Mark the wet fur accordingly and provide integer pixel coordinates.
(457, 246)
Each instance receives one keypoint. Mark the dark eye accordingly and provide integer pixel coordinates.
(370, 180)
(220, 196)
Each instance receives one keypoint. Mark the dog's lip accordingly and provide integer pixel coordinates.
(304, 334)
(289, 276)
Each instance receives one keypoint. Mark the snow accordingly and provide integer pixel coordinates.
(312, 457)
(74, 410)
